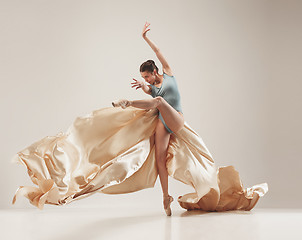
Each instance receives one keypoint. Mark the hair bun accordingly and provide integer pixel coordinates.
(151, 61)
(148, 66)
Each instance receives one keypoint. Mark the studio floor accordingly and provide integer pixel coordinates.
(132, 222)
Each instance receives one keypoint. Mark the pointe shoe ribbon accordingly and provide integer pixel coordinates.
(124, 103)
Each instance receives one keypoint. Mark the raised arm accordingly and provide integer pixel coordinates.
(166, 67)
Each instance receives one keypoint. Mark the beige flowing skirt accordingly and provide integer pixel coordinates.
(112, 151)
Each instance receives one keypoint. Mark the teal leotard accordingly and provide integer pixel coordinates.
(169, 91)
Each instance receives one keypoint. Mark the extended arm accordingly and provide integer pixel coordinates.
(157, 51)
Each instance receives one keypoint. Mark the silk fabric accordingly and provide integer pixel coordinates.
(112, 151)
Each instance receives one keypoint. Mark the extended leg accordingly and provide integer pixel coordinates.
(173, 119)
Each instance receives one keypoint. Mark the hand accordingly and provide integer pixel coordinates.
(137, 83)
(145, 30)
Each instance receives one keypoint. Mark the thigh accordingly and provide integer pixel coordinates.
(163, 121)
(173, 119)
(162, 137)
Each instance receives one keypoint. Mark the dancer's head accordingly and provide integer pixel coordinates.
(149, 71)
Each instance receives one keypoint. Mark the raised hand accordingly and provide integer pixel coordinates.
(145, 30)
(137, 84)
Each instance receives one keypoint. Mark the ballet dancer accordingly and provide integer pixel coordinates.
(166, 99)
(97, 153)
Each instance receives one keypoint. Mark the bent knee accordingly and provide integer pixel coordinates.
(161, 160)
(159, 100)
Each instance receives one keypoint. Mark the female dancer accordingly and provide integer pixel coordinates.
(100, 153)
(166, 99)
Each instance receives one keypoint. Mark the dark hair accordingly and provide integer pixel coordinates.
(148, 66)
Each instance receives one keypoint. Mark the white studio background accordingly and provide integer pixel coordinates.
(237, 64)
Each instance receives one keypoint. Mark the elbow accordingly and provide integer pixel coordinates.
(156, 50)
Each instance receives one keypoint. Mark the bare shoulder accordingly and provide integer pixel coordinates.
(168, 71)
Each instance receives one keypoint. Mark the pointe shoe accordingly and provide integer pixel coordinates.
(124, 103)
(168, 209)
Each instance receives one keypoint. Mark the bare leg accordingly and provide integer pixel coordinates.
(162, 137)
(173, 119)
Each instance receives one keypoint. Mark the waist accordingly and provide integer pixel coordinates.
(174, 101)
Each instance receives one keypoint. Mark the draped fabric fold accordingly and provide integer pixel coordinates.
(112, 151)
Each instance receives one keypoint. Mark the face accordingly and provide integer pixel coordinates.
(149, 77)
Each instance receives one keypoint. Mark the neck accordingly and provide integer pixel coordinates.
(158, 79)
